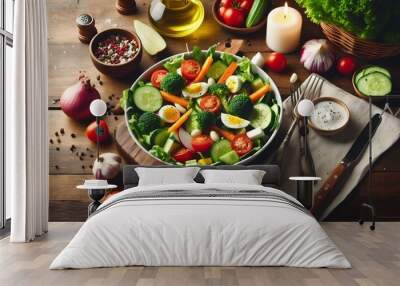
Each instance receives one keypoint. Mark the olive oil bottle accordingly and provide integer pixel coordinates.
(176, 18)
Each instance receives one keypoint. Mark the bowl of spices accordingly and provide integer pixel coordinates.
(330, 116)
(116, 52)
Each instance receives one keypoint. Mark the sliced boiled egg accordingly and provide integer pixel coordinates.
(195, 90)
(234, 122)
(169, 113)
(234, 83)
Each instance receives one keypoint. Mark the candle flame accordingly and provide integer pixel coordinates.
(285, 10)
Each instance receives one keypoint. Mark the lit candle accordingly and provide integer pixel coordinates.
(284, 29)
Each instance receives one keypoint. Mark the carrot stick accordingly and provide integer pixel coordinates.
(204, 69)
(224, 133)
(174, 99)
(228, 72)
(260, 93)
(174, 127)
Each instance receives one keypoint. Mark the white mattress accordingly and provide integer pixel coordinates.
(190, 230)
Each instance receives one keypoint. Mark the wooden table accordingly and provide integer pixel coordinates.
(67, 56)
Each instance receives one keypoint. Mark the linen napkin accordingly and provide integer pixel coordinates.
(327, 151)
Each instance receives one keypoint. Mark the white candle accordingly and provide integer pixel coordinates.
(284, 29)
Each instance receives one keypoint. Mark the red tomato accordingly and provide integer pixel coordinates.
(234, 17)
(202, 143)
(242, 144)
(104, 133)
(183, 155)
(246, 5)
(276, 62)
(346, 65)
(190, 69)
(157, 76)
(210, 103)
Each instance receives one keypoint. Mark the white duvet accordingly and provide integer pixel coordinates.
(188, 231)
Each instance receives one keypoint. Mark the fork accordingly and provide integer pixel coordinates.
(311, 91)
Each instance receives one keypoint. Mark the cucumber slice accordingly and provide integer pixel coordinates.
(220, 148)
(374, 84)
(371, 69)
(262, 116)
(216, 70)
(147, 98)
(230, 158)
(159, 136)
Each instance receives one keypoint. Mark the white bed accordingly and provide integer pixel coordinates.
(203, 225)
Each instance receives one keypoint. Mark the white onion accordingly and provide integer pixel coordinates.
(317, 56)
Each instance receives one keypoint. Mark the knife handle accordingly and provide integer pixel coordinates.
(320, 201)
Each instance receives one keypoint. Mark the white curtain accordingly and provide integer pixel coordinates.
(26, 123)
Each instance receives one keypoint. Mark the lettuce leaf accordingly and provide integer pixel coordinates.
(173, 64)
(245, 69)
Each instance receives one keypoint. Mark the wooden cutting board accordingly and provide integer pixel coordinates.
(133, 153)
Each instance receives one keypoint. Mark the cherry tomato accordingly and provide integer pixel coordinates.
(234, 17)
(202, 143)
(183, 155)
(210, 103)
(276, 62)
(242, 144)
(157, 76)
(346, 65)
(190, 69)
(103, 135)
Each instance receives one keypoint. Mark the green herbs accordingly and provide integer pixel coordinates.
(368, 19)
(172, 83)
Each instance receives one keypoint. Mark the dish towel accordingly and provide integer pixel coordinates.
(327, 151)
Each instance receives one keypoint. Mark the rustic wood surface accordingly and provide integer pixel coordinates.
(67, 56)
(374, 257)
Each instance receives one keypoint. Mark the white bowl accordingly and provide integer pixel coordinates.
(145, 76)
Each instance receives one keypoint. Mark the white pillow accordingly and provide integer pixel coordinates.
(247, 177)
(166, 176)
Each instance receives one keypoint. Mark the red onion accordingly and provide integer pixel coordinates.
(317, 56)
(76, 99)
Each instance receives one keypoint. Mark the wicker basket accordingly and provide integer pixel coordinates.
(353, 45)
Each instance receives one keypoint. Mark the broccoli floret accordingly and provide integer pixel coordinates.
(205, 119)
(219, 89)
(241, 105)
(172, 83)
(148, 121)
(222, 91)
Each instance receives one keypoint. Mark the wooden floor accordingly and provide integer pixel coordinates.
(375, 257)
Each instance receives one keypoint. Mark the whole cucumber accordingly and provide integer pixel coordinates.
(257, 12)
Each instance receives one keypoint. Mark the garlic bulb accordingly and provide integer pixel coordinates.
(317, 56)
(108, 166)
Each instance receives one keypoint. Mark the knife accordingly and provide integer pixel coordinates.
(328, 191)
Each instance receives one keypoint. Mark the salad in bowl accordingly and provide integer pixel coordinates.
(203, 108)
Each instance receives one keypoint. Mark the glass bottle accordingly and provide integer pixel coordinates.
(176, 18)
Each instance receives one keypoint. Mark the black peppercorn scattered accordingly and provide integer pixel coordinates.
(80, 158)
(56, 166)
(51, 141)
(83, 167)
(56, 133)
(100, 82)
(73, 135)
(57, 148)
(62, 131)
(58, 140)
(116, 117)
(98, 77)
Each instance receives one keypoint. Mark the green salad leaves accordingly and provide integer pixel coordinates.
(369, 19)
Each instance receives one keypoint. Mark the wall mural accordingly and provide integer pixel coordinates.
(223, 104)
